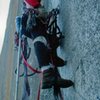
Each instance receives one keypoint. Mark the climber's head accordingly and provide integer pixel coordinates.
(32, 3)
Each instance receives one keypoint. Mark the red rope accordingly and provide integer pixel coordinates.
(36, 71)
(29, 66)
(38, 96)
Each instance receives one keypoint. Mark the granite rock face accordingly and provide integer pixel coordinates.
(79, 22)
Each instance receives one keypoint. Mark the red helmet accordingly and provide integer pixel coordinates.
(33, 3)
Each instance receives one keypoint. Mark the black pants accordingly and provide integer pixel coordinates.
(42, 53)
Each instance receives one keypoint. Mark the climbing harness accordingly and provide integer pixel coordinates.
(53, 27)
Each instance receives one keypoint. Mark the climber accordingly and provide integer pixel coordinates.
(37, 31)
(41, 29)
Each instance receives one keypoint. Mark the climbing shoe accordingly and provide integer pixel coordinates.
(58, 62)
(50, 79)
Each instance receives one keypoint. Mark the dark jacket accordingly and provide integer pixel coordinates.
(38, 30)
